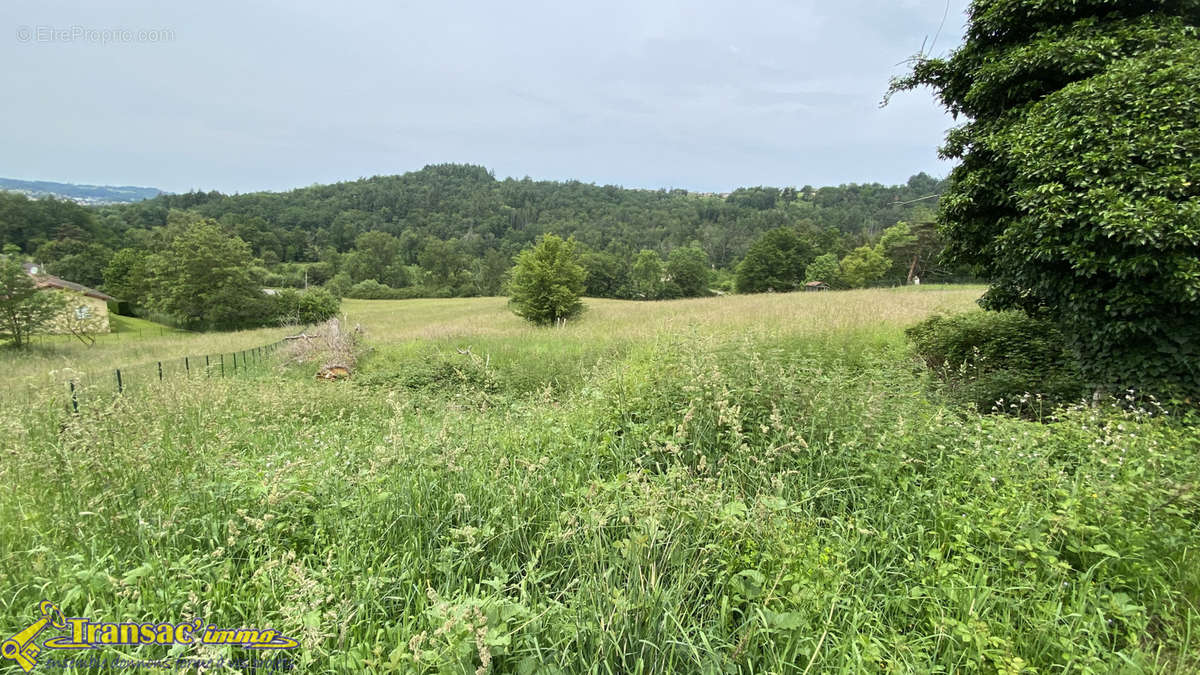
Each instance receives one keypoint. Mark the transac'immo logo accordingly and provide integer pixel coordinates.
(83, 633)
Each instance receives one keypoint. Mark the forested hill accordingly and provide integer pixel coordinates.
(453, 229)
(468, 204)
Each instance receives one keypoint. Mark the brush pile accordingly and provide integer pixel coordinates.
(334, 349)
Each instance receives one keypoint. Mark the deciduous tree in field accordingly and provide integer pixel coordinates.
(23, 308)
(775, 262)
(689, 271)
(823, 268)
(374, 255)
(1078, 191)
(912, 248)
(607, 274)
(646, 275)
(863, 265)
(547, 281)
(203, 279)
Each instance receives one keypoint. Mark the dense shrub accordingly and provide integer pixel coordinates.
(305, 307)
(1076, 193)
(988, 357)
(339, 284)
(373, 290)
(431, 372)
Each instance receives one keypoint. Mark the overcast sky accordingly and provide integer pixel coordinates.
(244, 96)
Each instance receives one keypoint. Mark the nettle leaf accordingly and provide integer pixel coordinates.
(748, 584)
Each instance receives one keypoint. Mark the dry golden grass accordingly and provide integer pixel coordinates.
(779, 313)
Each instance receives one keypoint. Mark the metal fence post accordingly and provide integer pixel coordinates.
(120, 385)
(74, 398)
(160, 371)
(222, 365)
(187, 367)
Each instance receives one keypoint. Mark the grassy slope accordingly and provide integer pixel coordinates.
(744, 484)
(133, 342)
(132, 325)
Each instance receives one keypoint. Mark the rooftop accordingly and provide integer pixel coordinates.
(43, 280)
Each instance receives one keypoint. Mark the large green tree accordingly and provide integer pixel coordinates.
(75, 260)
(688, 269)
(913, 249)
(607, 274)
(863, 265)
(823, 268)
(775, 262)
(127, 276)
(646, 275)
(374, 257)
(1078, 190)
(24, 309)
(548, 281)
(203, 280)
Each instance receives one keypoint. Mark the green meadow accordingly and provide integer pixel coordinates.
(744, 484)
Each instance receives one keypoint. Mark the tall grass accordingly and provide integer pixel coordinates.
(778, 313)
(651, 492)
(56, 358)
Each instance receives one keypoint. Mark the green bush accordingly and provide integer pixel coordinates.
(373, 290)
(1076, 193)
(999, 360)
(431, 372)
(305, 307)
(339, 284)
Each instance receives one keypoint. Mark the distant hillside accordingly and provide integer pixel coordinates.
(80, 194)
(469, 205)
(453, 229)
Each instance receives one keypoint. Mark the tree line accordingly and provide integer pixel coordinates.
(454, 230)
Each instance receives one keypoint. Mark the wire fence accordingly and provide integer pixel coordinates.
(138, 335)
(82, 389)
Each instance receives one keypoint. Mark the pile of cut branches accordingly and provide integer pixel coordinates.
(334, 350)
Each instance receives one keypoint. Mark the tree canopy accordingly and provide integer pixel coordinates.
(203, 279)
(24, 309)
(1077, 191)
(775, 262)
(547, 281)
(687, 268)
(453, 230)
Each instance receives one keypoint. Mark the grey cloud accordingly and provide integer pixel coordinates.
(700, 95)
